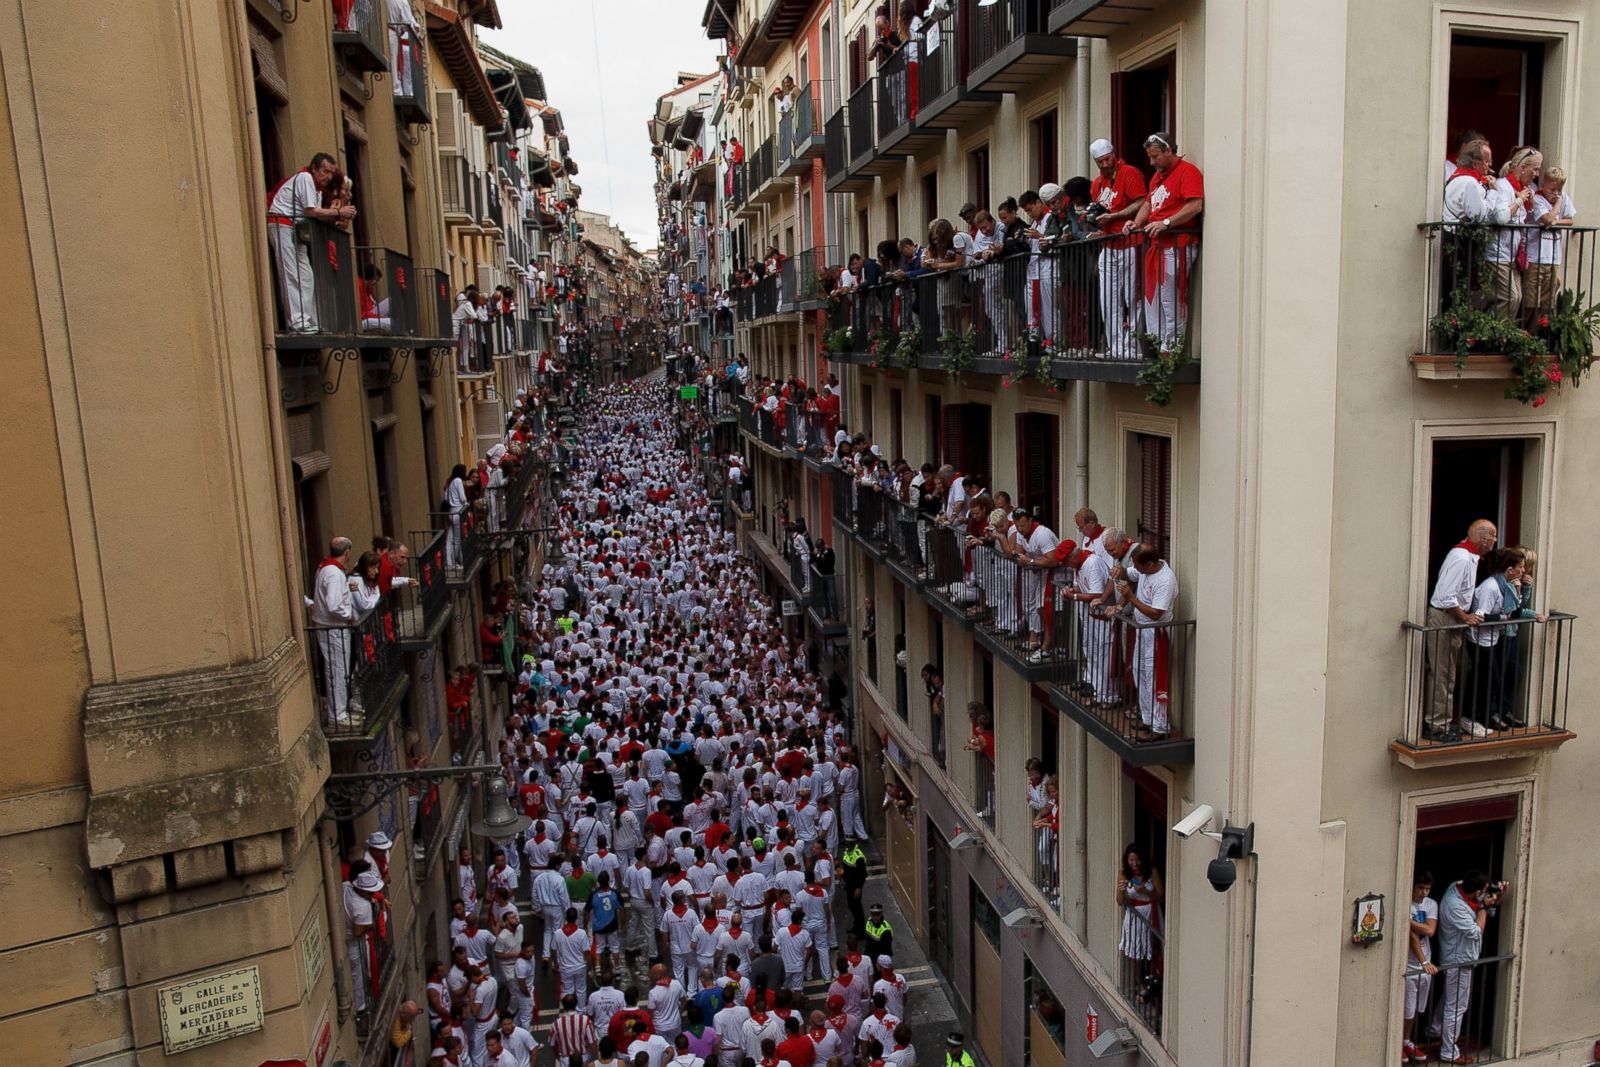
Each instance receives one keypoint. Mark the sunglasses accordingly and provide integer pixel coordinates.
(1156, 138)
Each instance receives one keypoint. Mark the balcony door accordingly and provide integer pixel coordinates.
(1496, 89)
(1477, 478)
(966, 439)
(1038, 473)
(1142, 103)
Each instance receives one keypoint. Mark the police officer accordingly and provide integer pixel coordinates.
(854, 862)
(954, 1054)
(880, 936)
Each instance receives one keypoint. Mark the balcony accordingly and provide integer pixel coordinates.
(1010, 47)
(800, 133)
(434, 306)
(493, 219)
(317, 290)
(1096, 18)
(818, 594)
(424, 606)
(835, 152)
(892, 533)
(984, 318)
(387, 294)
(1142, 952)
(412, 97)
(944, 100)
(860, 120)
(761, 426)
(1489, 692)
(358, 34)
(466, 543)
(762, 167)
(1488, 317)
(898, 134)
(359, 674)
(459, 191)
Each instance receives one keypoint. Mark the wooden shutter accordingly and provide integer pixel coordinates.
(858, 59)
(1155, 491)
(975, 441)
(1038, 467)
(933, 433)
(1119, 117)
(447, 121)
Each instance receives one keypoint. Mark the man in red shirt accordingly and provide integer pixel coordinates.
(1177, 197)
(796, 1048)
(1118, 193)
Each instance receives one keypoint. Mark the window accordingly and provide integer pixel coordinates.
(891, 214)
(1045, 1043)
(858, 59)
(1046, 141)
(1038, 463)
(1496, 88)
(1142, 945)
(864, 242)
(869, 627)
(966, 438)
(978, 177)
(1142, 103)
(1478, 478)
(897, 424)
(1151, 495)
(902, 691)
(864, 416)
(985, 920)
(932, 432)
(930, 197)
(937, 712)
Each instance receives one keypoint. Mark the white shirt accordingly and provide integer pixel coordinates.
(1458, 576)
(333, 604)
(1487, 600)
(792, 947)
(1158, 591)
(520, 1045)
(1464, 200)
(665, 1002)
(294, 196)
(571, 948)
(655, 1046)
(1546, 247)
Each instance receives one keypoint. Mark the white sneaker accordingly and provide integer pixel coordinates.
(1476, 729)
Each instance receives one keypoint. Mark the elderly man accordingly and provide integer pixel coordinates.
(1151, 598)
(1036, 551)
(333, 613)
(1118, 193)
(1091, 589)
(1177, 197)
(1449, 613)
(293, 200)
(1467, 199)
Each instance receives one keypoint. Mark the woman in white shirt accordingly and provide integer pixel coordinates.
(1509, 203)
(364, 588)
(455, 502)
(1481, 705)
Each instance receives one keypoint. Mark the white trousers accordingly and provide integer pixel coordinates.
(334, 645)
(356, 951)
(295, 277)
(1047, 280)
(1099, 638)
(850, 815)
(576, 981)
(1164, 316)
(683, 968)
(1119, 301)
(553, 916)
(1152, 713)
(824, 947)
(1457, 995)
(524, 1010)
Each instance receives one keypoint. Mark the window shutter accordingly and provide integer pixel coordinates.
(447, 121)
(975, 440)
(1155, 491)
(954, 449)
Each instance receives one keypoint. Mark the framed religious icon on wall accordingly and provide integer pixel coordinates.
(1366, 924)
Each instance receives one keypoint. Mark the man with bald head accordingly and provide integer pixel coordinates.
(1451, 606)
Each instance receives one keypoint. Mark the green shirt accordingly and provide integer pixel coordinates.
(581, 887)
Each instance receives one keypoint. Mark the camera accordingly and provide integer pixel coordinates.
(1221, 874)
(1094, 210)
(1195, 822)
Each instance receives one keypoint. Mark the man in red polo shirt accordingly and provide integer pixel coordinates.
(1118, 192)
(1177, 196)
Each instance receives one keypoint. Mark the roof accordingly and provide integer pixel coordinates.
(455, 50)
(528, 75)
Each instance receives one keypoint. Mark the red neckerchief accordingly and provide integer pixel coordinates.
(679, 909)
(814, 890)
(1467, 172)
(1470, 547)
(839, 1022)
(569, 928)
(710, 924)
(331, 561)
(794, 929)
(853, 957)
(1511, 179)
(845, 979)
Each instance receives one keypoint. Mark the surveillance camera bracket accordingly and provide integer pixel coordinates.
(1237, 841)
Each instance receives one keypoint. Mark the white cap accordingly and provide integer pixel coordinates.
(885, 961)
(1100, 148)
(1049, 191)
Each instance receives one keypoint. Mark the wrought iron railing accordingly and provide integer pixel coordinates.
(1141, 948)
(1133, 674)
(355, 669)
(996, 25)
(894, 94)
(858, 111)
(422, 604)
(983, 786)
(835, 147)
(316, 278)
(1497, 681)
(386, 290)
(466, 538)
(409, 60)
(941, 69)
(358, 33)
(434, 306)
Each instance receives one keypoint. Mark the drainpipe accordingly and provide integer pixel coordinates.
(1080, 488)
(280, 470)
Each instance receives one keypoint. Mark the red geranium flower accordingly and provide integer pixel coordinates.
(1538, 401)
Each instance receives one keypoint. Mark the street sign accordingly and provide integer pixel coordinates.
(791, 607)
(689, 392)
(210, 1009)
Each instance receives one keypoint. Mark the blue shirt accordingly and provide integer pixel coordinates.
(709, 1001)
(606, 905)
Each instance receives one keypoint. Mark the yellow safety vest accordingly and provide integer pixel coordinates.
(964, 1061)
(877, 930)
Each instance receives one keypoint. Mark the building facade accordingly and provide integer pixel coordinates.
(171, 832)
(1295, 410)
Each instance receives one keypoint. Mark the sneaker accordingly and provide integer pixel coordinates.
(1476, 729)
(1408, 1053)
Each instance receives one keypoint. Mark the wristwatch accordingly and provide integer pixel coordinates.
(1166, 223)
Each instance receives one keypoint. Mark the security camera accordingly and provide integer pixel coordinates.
(1221, 874)
(1195, 822)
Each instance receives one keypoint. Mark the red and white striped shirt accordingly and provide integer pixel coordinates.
(572, 1034)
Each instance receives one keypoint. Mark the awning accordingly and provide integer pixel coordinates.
(310, 464)
(454, 48)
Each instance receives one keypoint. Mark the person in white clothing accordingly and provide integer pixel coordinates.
(517, 1041)
(1151, 603)
(1449, 609)
(1511, 205)
(1036, 550)
(1420, 969)
(333, 614)
(480, 1011)
(1090, 590)
(1552, 210)
(524, 989)
(293, 201)
(570, 947)
(404, 54)
(549, 893)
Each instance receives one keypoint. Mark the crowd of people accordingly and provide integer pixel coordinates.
(695, 804)
(1516, 268)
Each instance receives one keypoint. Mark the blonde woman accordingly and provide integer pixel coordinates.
(1510, 201)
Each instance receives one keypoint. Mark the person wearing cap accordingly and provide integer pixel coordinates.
(892, 985)
(955, 1052)
(880, 935)
(362, 905)
(1118, 192)
(1043, 268)
(1176, 200)
(377, 853)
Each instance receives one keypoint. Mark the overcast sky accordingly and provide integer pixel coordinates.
(644, 43)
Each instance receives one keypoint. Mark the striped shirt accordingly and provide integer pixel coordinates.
(572, 1034)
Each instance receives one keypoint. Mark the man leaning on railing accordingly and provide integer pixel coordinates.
(333, 613)
(291, 204)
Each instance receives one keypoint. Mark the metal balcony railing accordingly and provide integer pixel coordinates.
(983, 786)
(843, 490)
(466, 539)
(316, 278)
(409, 61)
(858, 110)
(455, 186)
(422, 604)
(1495, 682)
(1047, 861)
(433, 303)
(356, 670)
(835, 148)
(1142, 951)
(993, 27)
(387, 292)
(1485, 282)
(1132, 674)
(358, 33)
(1478, 986)
(895, 107)
(941, 69)
(493, 213)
